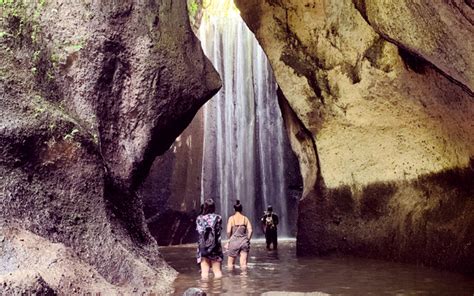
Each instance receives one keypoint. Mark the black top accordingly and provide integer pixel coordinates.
(270, 220)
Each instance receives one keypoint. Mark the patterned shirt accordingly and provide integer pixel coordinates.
(207, 220)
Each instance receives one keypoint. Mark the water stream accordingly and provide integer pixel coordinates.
(283, 271)
(243, 155)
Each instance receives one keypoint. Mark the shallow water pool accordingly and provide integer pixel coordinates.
(282, 271)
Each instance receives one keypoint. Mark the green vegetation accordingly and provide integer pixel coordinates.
(3, 33)
(3, 2)
(76, 47)
(192, 8)
(18, 22)
(20, 27)
(70, 48)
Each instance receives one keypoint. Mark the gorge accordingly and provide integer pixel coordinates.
(376, 99)
(236, 148)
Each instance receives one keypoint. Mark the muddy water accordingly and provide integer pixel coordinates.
(282, 271)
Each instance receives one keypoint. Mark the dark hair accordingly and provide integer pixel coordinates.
(270, 208)
(238, 206)
(209, 207)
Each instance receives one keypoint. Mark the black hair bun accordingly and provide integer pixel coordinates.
(238, 206)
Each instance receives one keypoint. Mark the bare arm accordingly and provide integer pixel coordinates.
(229, 228)
(249, 229)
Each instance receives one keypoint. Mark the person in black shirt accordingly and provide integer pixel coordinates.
(269, 223)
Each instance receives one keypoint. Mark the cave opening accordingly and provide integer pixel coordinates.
(236, 147)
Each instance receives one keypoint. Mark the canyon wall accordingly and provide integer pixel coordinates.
(235, 148)
(378, 102)
(90, 93)
(172, 191)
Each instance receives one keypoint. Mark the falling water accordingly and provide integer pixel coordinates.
(243, 155)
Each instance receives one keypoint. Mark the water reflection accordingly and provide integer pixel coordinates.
(244, 280)
(282, 271)
(212, 286)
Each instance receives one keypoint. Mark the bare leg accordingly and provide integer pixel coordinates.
(230, 262)
(216, 269)
(205, 268)
(243, 260)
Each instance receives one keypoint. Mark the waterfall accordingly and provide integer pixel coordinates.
(243, 149)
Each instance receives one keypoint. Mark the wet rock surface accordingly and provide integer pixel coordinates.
(171, 193)
(427, 221)
(90, 93)
(379, 99)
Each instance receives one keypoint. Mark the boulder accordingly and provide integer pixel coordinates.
(90, 93)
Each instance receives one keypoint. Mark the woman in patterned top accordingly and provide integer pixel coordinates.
(209, 224)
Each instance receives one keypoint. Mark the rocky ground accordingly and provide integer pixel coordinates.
(32, 264)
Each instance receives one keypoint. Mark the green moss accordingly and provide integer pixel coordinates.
(20, 29)
(76, 47)
(193, 8)
(17, 23)
(3, 34)
(21, 32)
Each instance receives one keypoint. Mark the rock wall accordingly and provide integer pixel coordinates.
(90, 93)
(238, 133)
(172, 191)
(378, 100)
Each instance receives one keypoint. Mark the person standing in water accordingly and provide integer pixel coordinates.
(239, 232)
(209, 226)
(269, 223)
